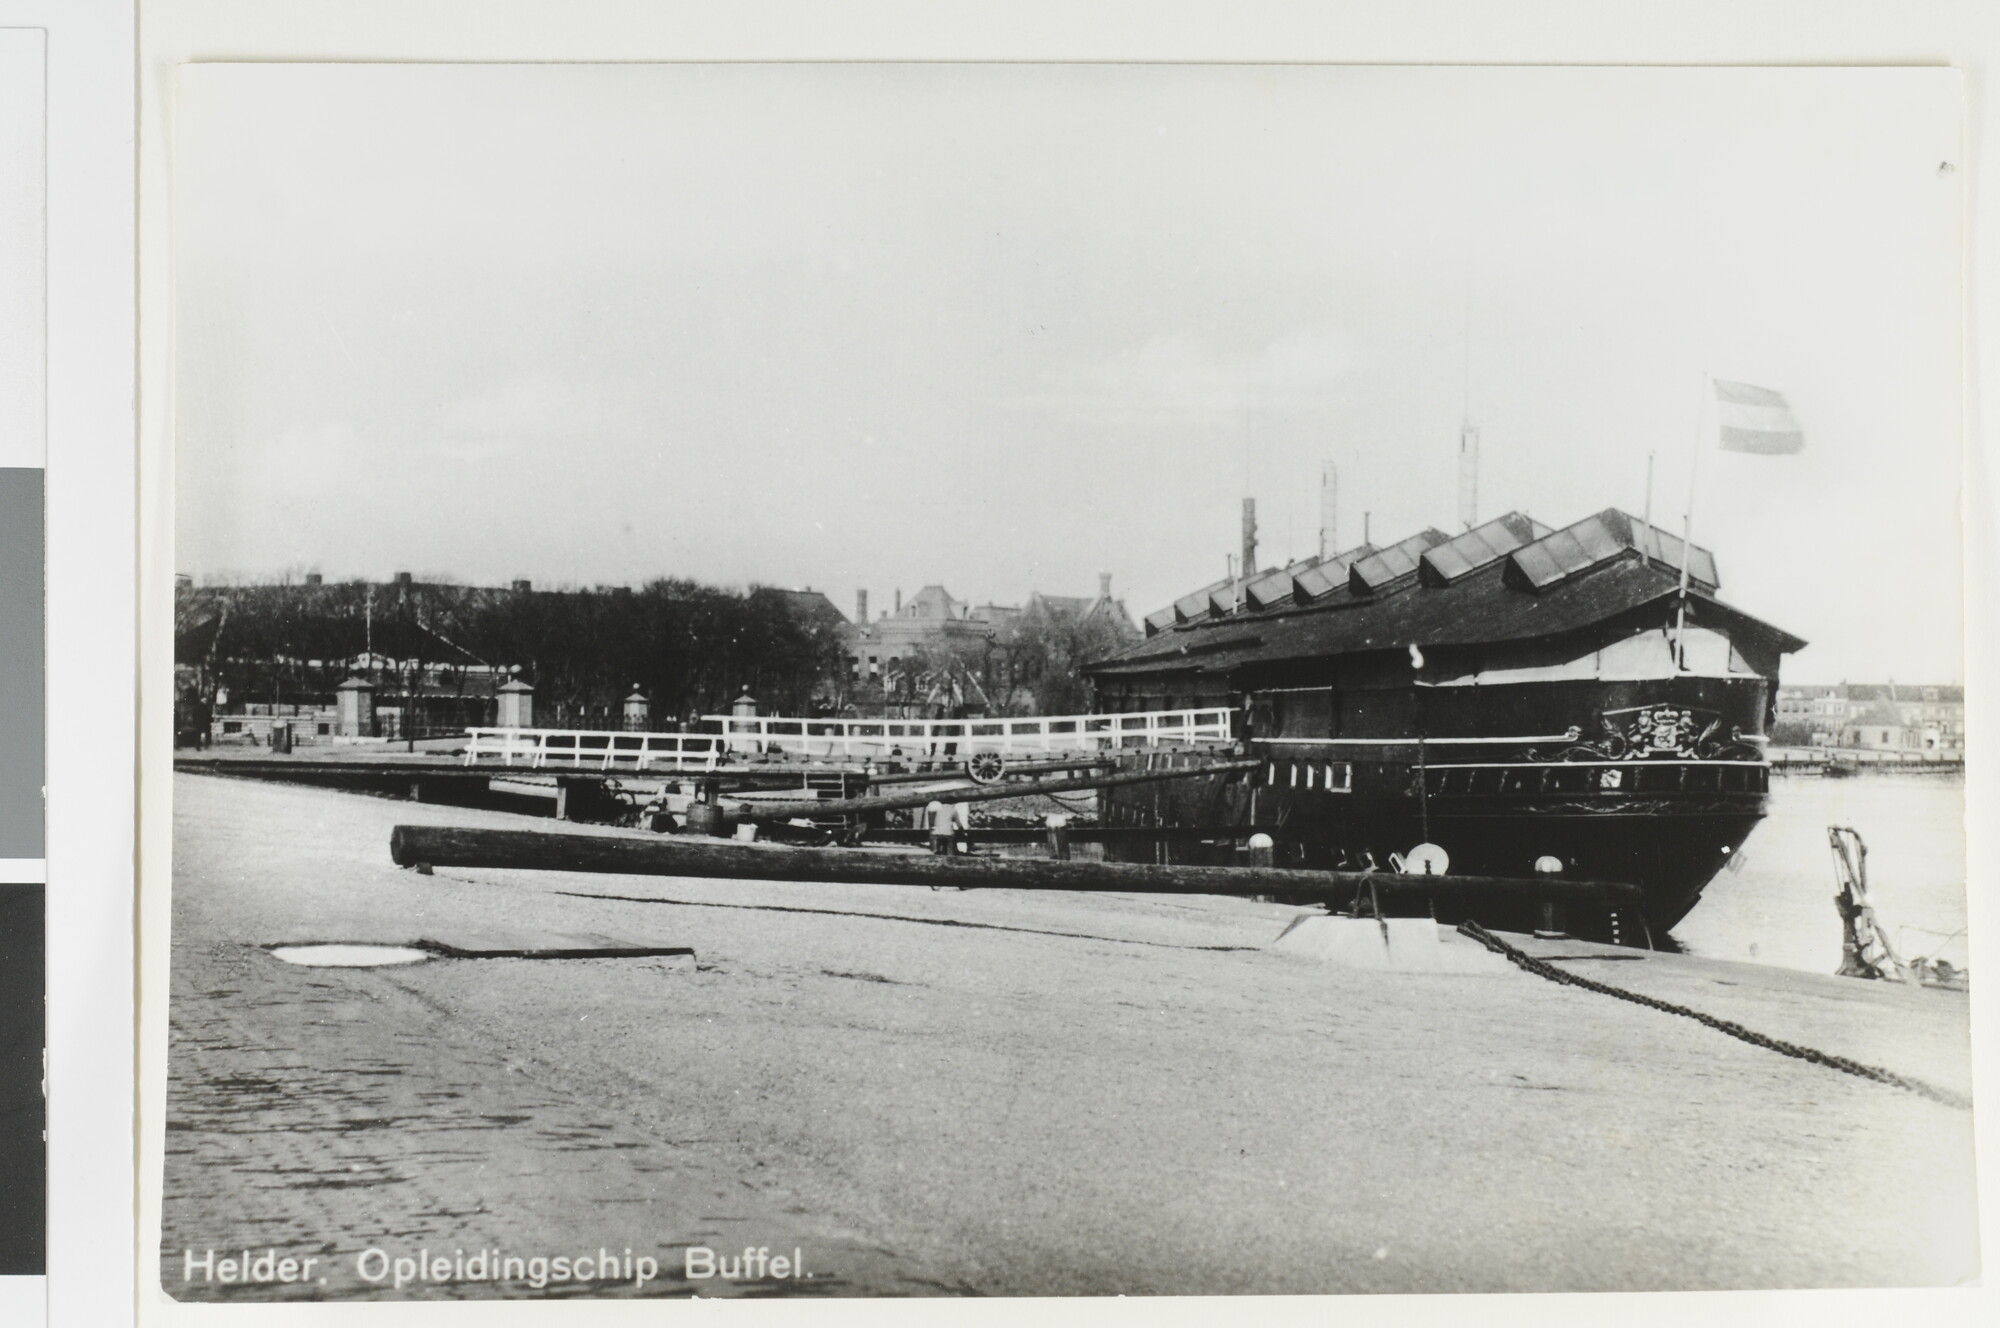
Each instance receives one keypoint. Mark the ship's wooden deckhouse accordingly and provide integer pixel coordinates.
(1343, 646)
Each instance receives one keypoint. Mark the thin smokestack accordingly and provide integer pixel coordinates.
(861, 607)
(1249, 564)
(1329, 510)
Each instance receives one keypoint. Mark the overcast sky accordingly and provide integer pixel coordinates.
(1005, 327)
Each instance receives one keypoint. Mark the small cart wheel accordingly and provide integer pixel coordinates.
(986, 768)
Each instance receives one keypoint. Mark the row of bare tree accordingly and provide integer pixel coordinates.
(690, 648)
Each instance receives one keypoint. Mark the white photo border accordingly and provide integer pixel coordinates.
(1380, 31)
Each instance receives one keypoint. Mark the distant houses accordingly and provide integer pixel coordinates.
(929, 621)
(934, 654)
(1877, 716)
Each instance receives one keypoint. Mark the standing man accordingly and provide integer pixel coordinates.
(939, 818)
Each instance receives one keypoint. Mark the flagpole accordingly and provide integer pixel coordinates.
(1687, 530)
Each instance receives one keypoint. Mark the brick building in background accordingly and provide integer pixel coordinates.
(936, 654)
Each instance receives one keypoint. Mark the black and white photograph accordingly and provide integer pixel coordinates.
(831, 680)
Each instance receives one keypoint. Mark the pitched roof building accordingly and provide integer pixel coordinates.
(933, 622)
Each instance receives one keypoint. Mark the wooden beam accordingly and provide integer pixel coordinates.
(956, 770)
(533, 850)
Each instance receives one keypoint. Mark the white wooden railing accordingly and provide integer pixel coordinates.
(586, 749)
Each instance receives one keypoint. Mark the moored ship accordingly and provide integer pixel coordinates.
(1526, 698)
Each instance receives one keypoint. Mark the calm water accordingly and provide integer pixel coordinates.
(1778, 907)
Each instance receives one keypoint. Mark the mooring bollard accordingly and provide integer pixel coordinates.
(1059, 838)
(1552, 921)
(1261, 850)
(1548, 867)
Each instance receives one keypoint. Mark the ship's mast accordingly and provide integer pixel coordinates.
(1687, 527)
(1468, 432)
(1468, 475)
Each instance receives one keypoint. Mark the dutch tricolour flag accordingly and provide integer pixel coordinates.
(1755, 419)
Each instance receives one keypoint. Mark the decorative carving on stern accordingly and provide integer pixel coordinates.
(1666, 730)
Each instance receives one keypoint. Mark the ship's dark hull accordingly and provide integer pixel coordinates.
(1670, 844)
(1671, 851)
(1665, 825)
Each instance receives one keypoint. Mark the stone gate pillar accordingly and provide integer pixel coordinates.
(638, 712)
(517, 705)
(354, 708)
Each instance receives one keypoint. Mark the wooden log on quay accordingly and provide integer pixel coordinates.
(889, 802)
(533, 850)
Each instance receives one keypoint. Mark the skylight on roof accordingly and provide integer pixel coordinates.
(1321, 580)
(1600, 539)
(1272, 589)
(1479, 547)
(1377, 570)
(1665, 547)
(1189, 607)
